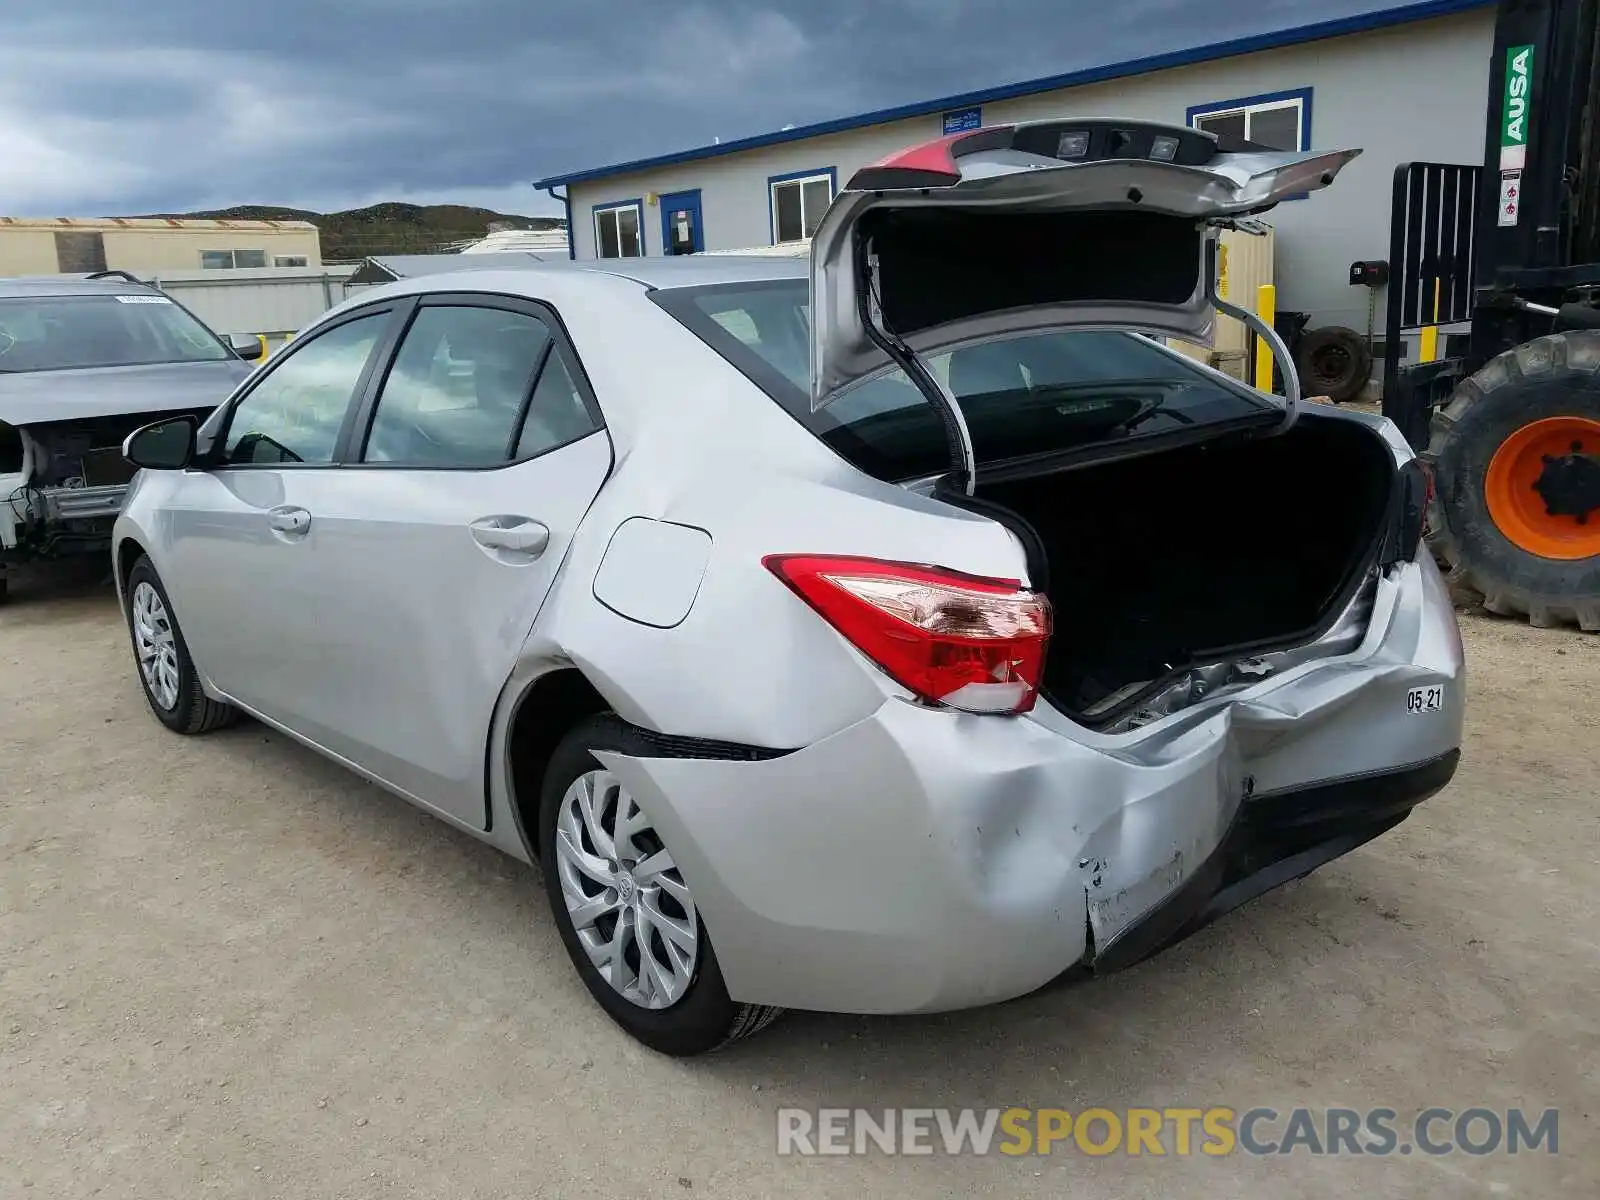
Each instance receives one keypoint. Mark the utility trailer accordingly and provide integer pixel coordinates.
(1507, 421)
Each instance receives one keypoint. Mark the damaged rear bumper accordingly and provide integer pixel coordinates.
(924, 860)
(1273, 841)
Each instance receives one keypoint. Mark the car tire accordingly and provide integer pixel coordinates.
(1550, 379)
(167, 676)
(692, 1013)
(1334, 362)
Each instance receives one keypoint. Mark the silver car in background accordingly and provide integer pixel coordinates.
(890, 631)
(85, 361)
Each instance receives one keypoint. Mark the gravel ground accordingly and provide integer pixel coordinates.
(227, 968)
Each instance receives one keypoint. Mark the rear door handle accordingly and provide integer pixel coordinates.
(522, 537)
(289, 520)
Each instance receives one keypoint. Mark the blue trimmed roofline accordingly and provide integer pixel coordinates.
(1276, 39)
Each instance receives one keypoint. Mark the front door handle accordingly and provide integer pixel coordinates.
(289, 520)
(522, 537)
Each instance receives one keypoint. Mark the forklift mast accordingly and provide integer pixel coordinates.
(1511, 245)
(1508, 425)
(1538, 236)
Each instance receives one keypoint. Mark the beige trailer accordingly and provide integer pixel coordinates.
(144, 245)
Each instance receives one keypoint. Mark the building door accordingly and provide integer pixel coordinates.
(80, 253)
(680, 223)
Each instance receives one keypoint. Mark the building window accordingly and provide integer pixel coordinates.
(1281, 120)
(619, 230)
(798, 202)
(227, 260)
(289, 260)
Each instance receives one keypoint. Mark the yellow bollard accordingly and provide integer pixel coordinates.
(1266, 309)
(1428, 350)
(262, 338)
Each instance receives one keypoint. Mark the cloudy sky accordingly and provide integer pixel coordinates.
(109, 107)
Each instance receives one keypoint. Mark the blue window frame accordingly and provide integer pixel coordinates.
(619, 229)
(796, 202)
(1281, 120)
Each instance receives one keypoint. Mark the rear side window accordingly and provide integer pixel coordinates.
(1031, 394)
(474, 386)
(454, 396)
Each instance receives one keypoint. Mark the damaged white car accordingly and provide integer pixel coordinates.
(84, 361)
(889, 632)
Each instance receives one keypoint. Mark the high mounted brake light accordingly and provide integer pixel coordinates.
(931, 164)
(937, 164)
(960, 641)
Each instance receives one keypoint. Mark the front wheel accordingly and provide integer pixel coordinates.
(626, 915)
(166, 672)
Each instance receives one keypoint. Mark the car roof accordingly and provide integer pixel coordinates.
(696, 270)
(25, 286)
(563, 279)
(692, 270)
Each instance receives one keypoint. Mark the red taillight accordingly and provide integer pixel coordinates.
(969, 643)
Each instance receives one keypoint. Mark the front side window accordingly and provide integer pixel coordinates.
(295, 413)
(798, 204)
(1030, 394)
(54, 333)
(462, 392)
(618, 231)
(1279, 121)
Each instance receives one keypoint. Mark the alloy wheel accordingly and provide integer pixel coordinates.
(629, 906)
(156, 646)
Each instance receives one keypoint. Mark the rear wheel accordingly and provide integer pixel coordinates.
(626, 915)
(1515, 457)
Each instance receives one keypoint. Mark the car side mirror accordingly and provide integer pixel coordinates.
(164, 446)
(247, 346)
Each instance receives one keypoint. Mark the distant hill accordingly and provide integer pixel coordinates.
(389, 228)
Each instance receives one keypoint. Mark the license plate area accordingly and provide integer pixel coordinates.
(1420, 701)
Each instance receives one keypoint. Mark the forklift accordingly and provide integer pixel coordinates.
(1507, 419)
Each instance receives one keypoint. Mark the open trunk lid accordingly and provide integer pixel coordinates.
(1033, 227)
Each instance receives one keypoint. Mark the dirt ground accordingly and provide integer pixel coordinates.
(229, 969)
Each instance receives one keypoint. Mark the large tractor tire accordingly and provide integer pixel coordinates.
(1515, 458)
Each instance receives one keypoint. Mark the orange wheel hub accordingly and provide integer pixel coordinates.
(1543, 488)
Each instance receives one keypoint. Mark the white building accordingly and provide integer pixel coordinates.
(1404, 84)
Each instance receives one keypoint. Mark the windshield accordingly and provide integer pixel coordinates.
(54, 333)
(1037, 393)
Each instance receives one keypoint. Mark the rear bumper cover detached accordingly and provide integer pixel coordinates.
(923, 860)
(1274, 841)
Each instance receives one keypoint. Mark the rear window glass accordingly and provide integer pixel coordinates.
(1035, 393)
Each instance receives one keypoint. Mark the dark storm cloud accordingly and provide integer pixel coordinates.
(169, 104)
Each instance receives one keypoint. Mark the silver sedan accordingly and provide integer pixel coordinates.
(888, 630)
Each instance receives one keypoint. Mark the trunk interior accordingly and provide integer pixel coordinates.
(1176, 559)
